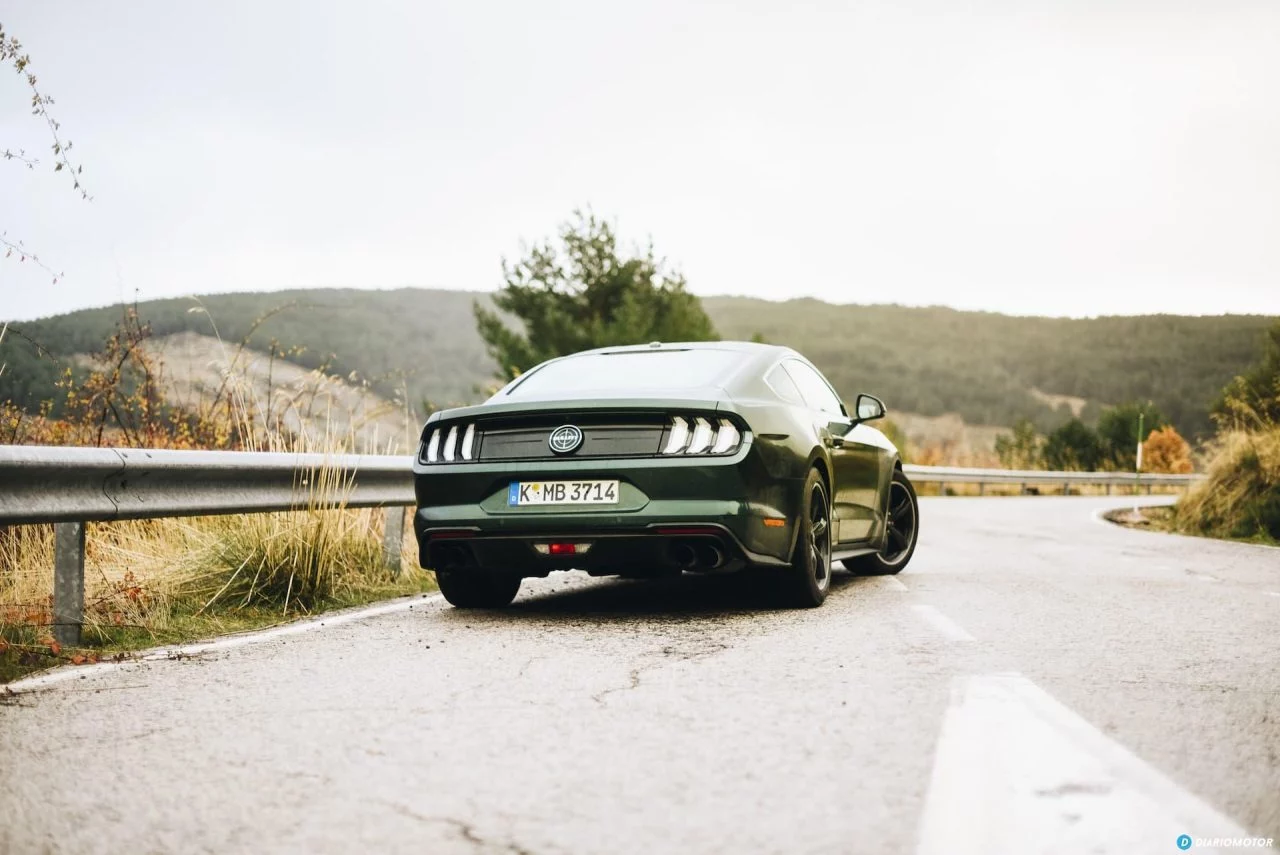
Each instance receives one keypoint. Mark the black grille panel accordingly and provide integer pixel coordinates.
(530, 443)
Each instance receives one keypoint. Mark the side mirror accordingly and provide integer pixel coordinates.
(868, 408)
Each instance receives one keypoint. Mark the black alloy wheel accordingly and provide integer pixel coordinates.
(809, 579)
(902, 530)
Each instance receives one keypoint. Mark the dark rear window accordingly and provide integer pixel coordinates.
(654, 370)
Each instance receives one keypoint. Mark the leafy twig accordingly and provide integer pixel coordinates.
(20, 155)
(19, 249)
(11, 52)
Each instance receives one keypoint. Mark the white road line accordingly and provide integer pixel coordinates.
(890, 583)
(230, 642)
(1272, 593)
(1017, 772)
(943, 624)
(1202, 577)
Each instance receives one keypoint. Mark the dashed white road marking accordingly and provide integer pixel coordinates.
(890, 583)
(1017, 772)
(71, 672)
(1272, 593)
(943, 624)
(1202, 577)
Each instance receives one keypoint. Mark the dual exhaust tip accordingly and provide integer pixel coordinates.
(450, 556)
(687, 554)
(696, 555)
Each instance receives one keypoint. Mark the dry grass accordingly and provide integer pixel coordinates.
(162, 581)
(925, 488)
(1240, 499)
(171, 580)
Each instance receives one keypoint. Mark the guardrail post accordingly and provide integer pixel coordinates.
(1108, 488)
(942, 489)
(981, 485)
(393, 536)
(68, 582)
(1148, 489)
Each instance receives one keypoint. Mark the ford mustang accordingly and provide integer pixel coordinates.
(660, 459)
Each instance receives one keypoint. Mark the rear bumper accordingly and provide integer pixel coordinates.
(463, 511)
(652, 552)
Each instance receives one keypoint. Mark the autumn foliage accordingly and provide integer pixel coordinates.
(1165, 451)
(116, 398)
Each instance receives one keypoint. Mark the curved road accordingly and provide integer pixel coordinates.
(1036, 681)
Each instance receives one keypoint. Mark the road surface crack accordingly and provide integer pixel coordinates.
(685, 652)
(634, 682)
(463, 829)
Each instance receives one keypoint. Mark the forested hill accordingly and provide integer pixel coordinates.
(984, 365)
(924, 360)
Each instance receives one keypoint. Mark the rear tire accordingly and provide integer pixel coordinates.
(809, 578)
(478, 589)
(903, 522)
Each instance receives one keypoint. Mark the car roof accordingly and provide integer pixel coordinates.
(754, 347)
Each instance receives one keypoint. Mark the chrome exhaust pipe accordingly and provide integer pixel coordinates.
(710, 555)
(452, 557)
(683, 555)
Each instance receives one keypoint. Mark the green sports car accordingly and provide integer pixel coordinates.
(661, 459)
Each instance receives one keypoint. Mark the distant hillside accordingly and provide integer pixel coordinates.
(990, 369)
(422, 339)
(993, 369)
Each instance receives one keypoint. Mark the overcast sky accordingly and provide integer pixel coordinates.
(1029, 156)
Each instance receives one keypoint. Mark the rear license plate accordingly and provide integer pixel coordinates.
(522, 493)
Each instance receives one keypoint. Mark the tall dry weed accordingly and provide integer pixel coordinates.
(1240, 497)
(139, 575)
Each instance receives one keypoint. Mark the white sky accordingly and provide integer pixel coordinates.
(1028, 156)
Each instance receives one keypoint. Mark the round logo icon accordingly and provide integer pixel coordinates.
(1184, 841)
(565, 439)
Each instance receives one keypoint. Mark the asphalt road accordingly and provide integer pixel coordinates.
(1035, 681)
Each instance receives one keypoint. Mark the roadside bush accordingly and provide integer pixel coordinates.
(1020, 449)
(1118, 433)
(1165, 451)
(1241, 496)
(1073, 446)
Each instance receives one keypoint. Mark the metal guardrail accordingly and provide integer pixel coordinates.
(41, 484)
(942, 475)
(72, 486)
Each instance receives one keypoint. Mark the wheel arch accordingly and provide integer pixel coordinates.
(824, 469)
(819, 462)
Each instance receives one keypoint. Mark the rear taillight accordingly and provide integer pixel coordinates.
(702, 435)
(727, 438)
(449, 444)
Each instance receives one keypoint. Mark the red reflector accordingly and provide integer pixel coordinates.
(563, 549)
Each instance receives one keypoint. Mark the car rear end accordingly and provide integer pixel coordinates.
(611, 486)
